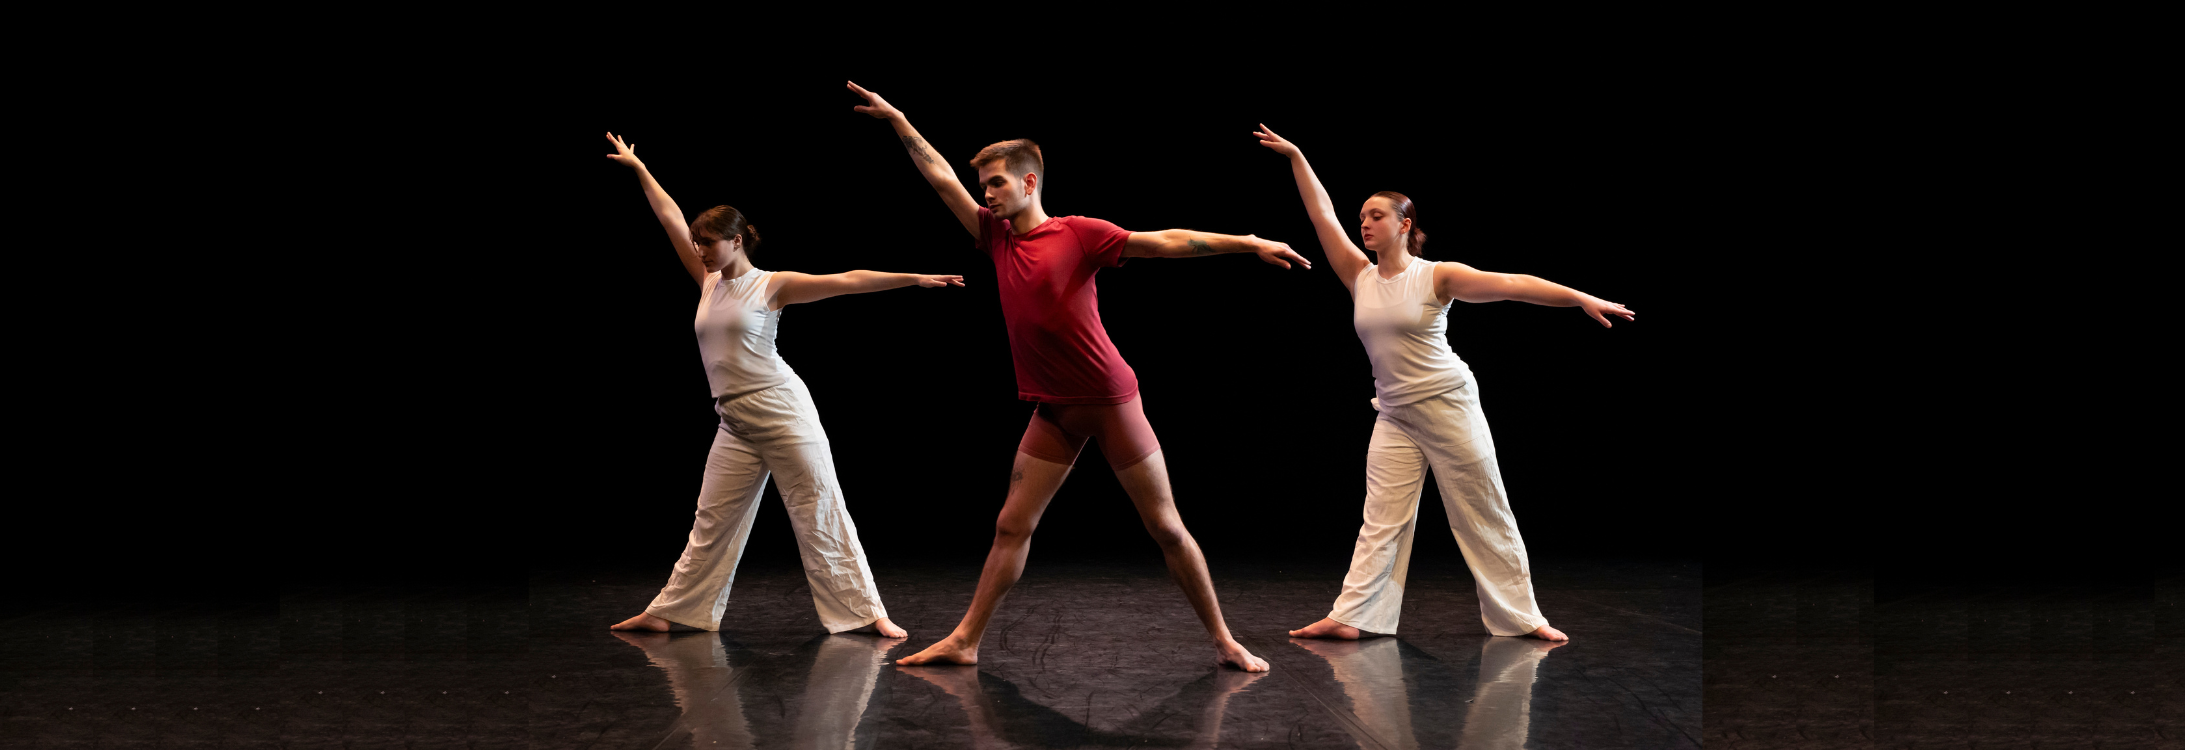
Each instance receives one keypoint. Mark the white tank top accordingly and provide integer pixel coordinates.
(736, 335)
(1405, 330)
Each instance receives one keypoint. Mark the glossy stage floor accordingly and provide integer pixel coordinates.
(1081, 655)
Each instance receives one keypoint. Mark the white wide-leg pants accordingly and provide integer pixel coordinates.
(1449, 434)
(773, 431)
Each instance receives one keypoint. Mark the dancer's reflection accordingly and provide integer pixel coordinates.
(1000, 716)
(839, 681)
(1371, 672)
(1501, 715)
(704, 686)
(839, 688)
(1379, 679)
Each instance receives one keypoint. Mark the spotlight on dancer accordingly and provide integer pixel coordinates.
(1081, 387)
(769, 425)
(1429, 413)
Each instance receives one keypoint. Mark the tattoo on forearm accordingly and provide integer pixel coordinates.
(918, 148)
(1199, 247)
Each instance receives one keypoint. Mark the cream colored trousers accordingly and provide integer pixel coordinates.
(773, 431)
(1449, 434)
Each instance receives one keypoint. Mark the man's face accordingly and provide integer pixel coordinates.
(1006, 194)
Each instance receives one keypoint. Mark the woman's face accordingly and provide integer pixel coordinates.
(1381, 227)
(716, 255)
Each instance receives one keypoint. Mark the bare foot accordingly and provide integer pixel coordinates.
(882, 627)
(1327, 628)
(1233, 654)
(1546, 633)
(643, 622)
(948, 651)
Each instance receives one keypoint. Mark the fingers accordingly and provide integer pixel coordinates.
(1597, 316)
(859, 89)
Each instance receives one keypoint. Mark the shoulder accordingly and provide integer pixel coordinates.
(1097, 233)
(1087, 224)
(1451, 270)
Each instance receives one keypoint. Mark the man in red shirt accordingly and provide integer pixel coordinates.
(1066, 364)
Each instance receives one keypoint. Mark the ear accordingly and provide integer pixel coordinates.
(1031, 183)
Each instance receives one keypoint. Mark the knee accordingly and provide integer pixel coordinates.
(1012, 532)
(1169, 535)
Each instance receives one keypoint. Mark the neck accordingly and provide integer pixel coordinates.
(736, 267)
(1394, 263)
(1027, 219)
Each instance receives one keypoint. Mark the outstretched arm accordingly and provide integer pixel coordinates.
(663, 208)
(1462, 282)
(1343, 256)
(1184, 243)
(791, 288)
(929, 164)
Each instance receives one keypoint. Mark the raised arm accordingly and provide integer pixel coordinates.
(1184, 243)
(791, 288)
(937, 172)
(1461, 282)
(663, 208)
(1343, 255)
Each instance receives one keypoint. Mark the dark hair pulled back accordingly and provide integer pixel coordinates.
(723, 222)
(1416, 242)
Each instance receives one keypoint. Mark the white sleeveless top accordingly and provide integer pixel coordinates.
(736, 335)
(1405, 330)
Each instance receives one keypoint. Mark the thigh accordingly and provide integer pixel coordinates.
(1125, 436)
(735, 473)
(1032, 484)
(1395, 474)
(1049, 437)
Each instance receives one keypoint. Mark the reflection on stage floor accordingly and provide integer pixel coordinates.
(1107, 656)
(1080, 655)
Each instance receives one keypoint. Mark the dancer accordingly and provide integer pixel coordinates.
(1430, 414)
(1068, 367)
(768, 425)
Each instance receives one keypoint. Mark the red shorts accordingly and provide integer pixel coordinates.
(1059, 431)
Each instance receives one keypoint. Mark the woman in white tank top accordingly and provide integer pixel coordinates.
(769, 426)
(1429, 414)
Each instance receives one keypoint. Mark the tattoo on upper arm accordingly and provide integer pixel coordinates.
(918, 148)
(1199, 247)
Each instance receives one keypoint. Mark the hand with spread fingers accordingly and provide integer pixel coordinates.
(1279, 253)
(874, 106)
(930, 282)
(625, 153)
(1281, 145)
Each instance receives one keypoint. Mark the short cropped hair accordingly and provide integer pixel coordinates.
(1018, 157)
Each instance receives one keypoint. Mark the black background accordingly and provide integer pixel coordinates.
(501, 376)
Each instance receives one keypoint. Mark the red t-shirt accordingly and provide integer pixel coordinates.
(1062, 352)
